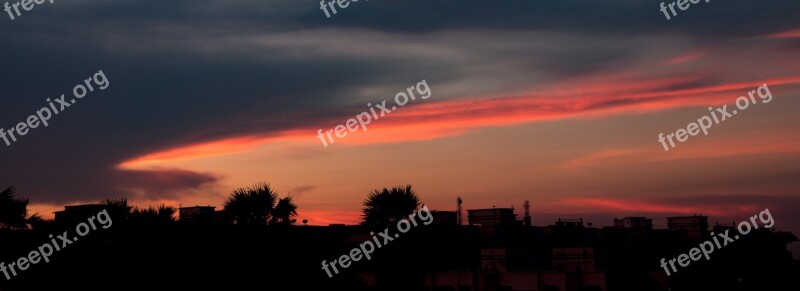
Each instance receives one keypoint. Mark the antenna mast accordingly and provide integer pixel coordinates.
(458, 213)
(527, 219)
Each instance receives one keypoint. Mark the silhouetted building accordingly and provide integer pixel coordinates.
(494, 260)
(722, 227)
(526, 221)
(574, 259)
(569, 222)
(516, 281)
(77, 213)
(567, 256)
(573, 270)
(445, 217)
(695, 227)
(492, 216)
(634, 223)
(198, 214)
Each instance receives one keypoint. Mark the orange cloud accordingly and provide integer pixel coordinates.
(643, 207)
(794, 33)
(686, 58)
(431, 120)
(765, 143)
(208, 149)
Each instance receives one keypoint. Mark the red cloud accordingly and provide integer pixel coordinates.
(431, 120)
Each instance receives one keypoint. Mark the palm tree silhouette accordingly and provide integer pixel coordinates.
(13, 211)
(154, 215)
(284, 212)
(251, 205)
(389, 205)
(118, 208)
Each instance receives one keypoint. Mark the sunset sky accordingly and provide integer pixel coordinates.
(556, 102)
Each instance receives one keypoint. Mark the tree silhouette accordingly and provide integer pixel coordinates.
(389, 205)
(161, 215)
(118, 208)
(13, 211)
(36, 221)
(284, 212)
(251, 205)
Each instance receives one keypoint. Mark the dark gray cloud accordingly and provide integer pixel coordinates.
(162, 183)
